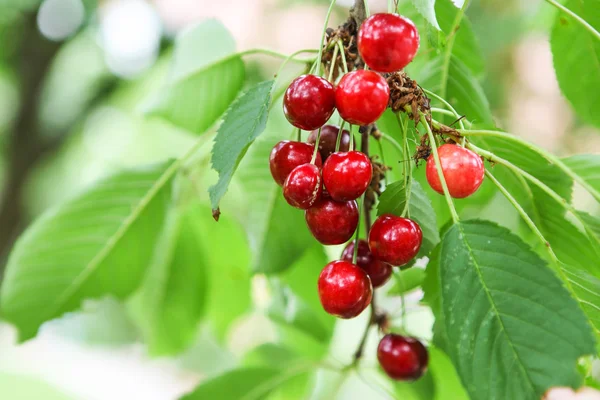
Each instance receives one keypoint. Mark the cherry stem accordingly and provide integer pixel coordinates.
(363, 341)
(364, 148)
(343, 51)
(357, 233)
(438, 166)
(320, 57)
(449, 46)
(448, 105)
(333, 63)
(298, 134)
(316, 150)
(338, 140)
(548, 156)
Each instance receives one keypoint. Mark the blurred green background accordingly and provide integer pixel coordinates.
(75, 78)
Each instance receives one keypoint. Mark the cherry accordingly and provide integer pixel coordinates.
(347, 175)
(462, 168)
(362, 96)
(378, 271)
(308, 102)
(344, 289)
(303, 187)
(402, 358)
(329, 135)
(287, 155)
(395, 240)
(388, 42)
(332, 222)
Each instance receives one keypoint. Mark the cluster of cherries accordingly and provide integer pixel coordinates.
(324, 177)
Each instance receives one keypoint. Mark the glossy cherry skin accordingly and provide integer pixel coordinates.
(362, 96)
(463, 171)
(303, 186)
(388, 42)
(329, 134)
(395, 240)
(332, 222)
(344, 289)
(287, 155)
(402, 358)
(347, 175)
(308, 102)
(378, 271)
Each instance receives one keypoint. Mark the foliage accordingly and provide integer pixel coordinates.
(516, 304)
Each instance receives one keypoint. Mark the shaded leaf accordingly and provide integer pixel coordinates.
(244, 383)
(407, 280)
(587, 166)
(98, 243)
(507, 315)
(244, 122)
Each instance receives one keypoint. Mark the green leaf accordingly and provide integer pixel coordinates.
(407, 280)
(463, 91)
(576, 55)
(427, 9)
(445, 378)
(98, 243)
(392, 201)
(240, 384)
(173, 297)
(205, 78)
(466, 46)
(587, 166)
(507, 316)
(269, 218)
(587, 289)
(245, 121)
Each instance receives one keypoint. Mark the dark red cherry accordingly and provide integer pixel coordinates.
(463, 171)
(402, 358)
(332, 222)
(362, 96)
(287, 155)
(378, 271)
(303, 186)
(308, 102)
(347, 175)
(395, 240)
(329, 134)
(344, 289)
(388, 42)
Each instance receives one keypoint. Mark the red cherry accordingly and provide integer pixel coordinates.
(388, 42)
(378, 271)
(362, 96)
(463, 171)
(303, 186)
(402, 358)
(287, 155)
(344, 289)
(329, 134)
(395, 240)
(308, 102)
(347, 175)
(332, 222)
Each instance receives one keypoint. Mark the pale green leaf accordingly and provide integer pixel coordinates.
(99, 243)
(14, 387)
(427, 9)
(407, 280)
(507, 316)
(245, 121)
(576, 55)
(205, 78)
(445, 378)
